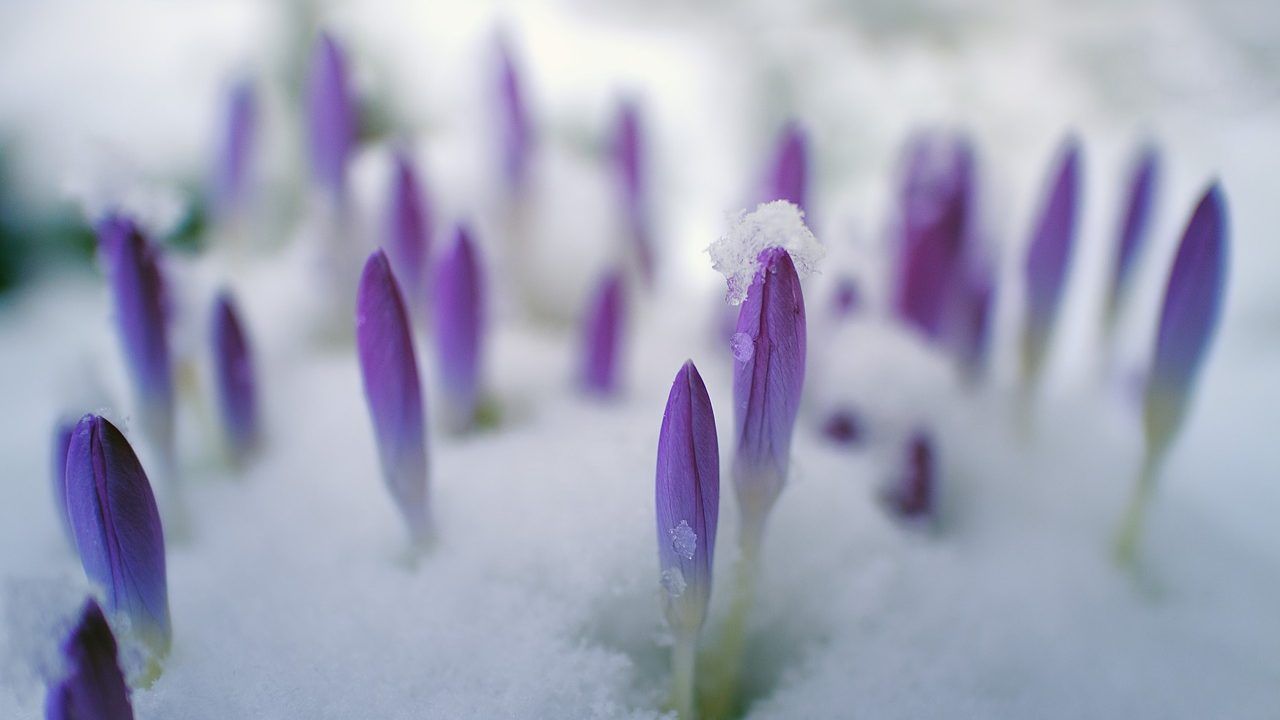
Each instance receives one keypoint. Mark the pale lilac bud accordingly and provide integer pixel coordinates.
(788, 177)
(459, 325)
(629, 163)
(92, 686)
(602, 337)
(1049, 259)
(514, 124)
(408, 233)
(233, 377)
(1134, 225)
(331, 116)
(232, 164)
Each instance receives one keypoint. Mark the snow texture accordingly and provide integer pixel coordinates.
(773, 224)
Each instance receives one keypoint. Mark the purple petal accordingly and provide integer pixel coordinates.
(1134, 226)
(628, 158)
(58, 466)
(517, 133)
(912, 494)
(408, 232)
(459, 322)
(117, 528)
(391, 387)
(231, 180)
(687, 499)
(768, 376)
(331, 116)
(789, 173)
(92, 686)
(1049, 258)
(234, 378)
(1189, 317)
(602, 337)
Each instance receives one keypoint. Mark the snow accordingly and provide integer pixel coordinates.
(776, 224)
(684, 540)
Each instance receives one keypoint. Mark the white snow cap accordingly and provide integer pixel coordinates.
(773, 224)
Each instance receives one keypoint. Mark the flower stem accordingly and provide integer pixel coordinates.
(721, 696)
(683, 659)
(1126, 547)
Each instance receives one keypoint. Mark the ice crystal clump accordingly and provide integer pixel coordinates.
(742, 346)
(773, 224)
(684, 540)
(673, 582)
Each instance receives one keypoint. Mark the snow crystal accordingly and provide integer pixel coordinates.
(773, 224)
(684, 540)
(673, 582)
(742, 346)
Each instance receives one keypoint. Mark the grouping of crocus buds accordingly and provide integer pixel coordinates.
(514, 125)
(459, 325)
(332, 118)
(117, 530)
(911, 495)
(602, 337)
(389, 367)
(628, 160)
(91, 685)
(1134, 224)
(408, 233)
(137, 289)
(788, 177)
(233, 376)
(231, 182)
(1049, 259)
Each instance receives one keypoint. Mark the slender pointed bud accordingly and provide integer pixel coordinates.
(768, 377)
(934, 226)
(1188, 319)
(58, 467)
(514, 125)
(331, 117)
(912, 495)
(137, 289)
(688, 500)
(1133, 228)
(408, 233)
(391, 387)
(789, 174)
(628, 159)
(459, 322)
(92, 686)
(117, 529)
(1049, 258)
(233, 377)
(602, 337)
(232, 165)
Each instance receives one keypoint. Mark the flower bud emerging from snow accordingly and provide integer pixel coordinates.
(408, 234)
(788, 177)
(843, 427)
(912, 494)
(459, 324)
(117, 529)
(1188, 319)
(768, 376)
(234, 379)
(602, 337)
(628, 160)
(231, 166)
(1134, 224)
(687, 500)
(394, 394)
(58, 472)
(846, 299)
(331, 117)
(91, 687)
(1049, 258)
(513, 120)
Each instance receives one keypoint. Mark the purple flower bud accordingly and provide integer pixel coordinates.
(138, 292)
(234, 378)
(846, 299)
(789, 174)
(514, 125)
(408, 238)
(687, 499)
(912, 494)
(602, 337)
(1133, 228)
(92, 686)
(459, 322)
(1049, 257)
(768, 376)
(1189, 317)
(231, 179)
(331, 116)
(972, 325)
(628, 158)
(58, 466)
(117, 528)
(391, 387)
(843, 427)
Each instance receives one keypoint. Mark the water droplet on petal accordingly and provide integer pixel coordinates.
(743, 346)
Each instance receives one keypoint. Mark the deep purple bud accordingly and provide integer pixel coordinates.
(687, 499)
(768, 377)
(628, 158)
(843, 427)
(231, 166)
(602, 337)
(1189, 317)
(331, 117)
(514, 124)
(846, 299)
(408, 233)
(58, 467)
(394, 394)
(92, 686)
(1049, 257)
(117, 528)
(912, 494)
(137, 289)
(459, 324)
(1133, 226)
(234, 378)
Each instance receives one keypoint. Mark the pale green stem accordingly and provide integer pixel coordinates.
(1126, 548)
(683, 660)
(725, 675)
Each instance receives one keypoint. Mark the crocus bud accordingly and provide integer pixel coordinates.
(687, 499)
(911, 495)
(331, 117)
(971, 331)
(1134, 224)
(391, 387)
(459, 324)
(58, 467)
(846, 299)
(231, 166)
(234, 379)
(1188, 318)
(117, 529)
(513, 120)
(843, 427)
(408, 233)
(602, 337)
(138, 293)
(789, 173)
(768, 376)
(1048, 259)
(628, 160)
(92, 687)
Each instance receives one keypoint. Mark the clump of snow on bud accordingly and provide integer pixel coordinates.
(684, 540)
(742, 346)
(773, 224)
